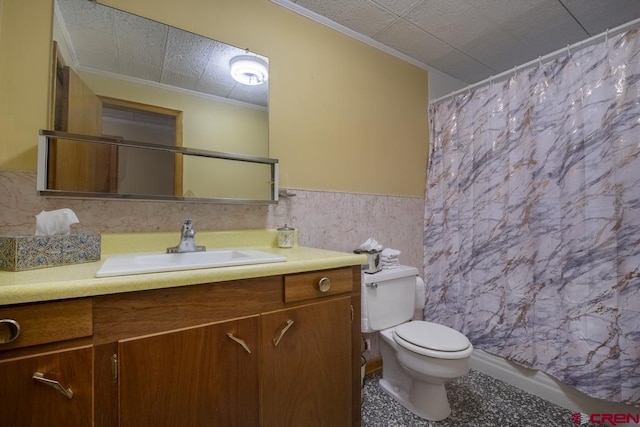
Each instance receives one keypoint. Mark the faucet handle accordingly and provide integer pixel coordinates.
(187, 239)
(187, 229)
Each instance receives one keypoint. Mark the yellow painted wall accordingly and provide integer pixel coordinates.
(25, 31)
(343, 116)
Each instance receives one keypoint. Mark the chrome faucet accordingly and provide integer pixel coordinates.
(187, 240)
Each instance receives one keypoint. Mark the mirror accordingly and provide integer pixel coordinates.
(124, 78)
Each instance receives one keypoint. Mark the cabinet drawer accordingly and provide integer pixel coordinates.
(298, 287)
(45, 322)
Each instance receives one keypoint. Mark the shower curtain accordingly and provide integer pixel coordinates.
(532, 218)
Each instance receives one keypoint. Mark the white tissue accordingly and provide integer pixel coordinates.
(371, 245)
(55, 222)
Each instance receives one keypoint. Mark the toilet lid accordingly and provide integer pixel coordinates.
(432, 336)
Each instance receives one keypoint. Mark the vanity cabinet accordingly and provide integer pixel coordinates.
(268, 351)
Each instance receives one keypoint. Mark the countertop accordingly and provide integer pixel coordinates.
(79, 280)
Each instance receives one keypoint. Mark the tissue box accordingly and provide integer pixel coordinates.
(23, 252)
(373, 261)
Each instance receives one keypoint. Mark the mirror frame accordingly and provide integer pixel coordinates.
(42, 172)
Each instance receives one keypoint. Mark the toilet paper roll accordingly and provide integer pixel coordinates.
(421, 293)
(421, 296)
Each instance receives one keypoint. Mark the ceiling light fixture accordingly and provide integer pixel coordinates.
(249, 70)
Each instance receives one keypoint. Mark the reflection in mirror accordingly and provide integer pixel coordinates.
(196, 174)
(127, 78)
(107, 41)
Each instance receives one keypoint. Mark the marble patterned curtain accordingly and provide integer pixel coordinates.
(532, 218)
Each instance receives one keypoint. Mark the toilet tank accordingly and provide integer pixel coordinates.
(388, 297)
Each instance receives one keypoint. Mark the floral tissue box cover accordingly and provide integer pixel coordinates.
(24, 252)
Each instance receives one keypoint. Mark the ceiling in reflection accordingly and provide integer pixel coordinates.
(107, 40)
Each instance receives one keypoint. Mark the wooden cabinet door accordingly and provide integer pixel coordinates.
(27, 402)
(74, 165)
(306, 377)
(193, 377)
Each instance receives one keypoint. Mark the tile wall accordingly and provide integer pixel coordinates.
(327, 220)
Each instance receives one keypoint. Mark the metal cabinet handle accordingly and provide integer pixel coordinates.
(9, 331)
(239, 341)
(324, 284)
(283, 331)
(39, 377)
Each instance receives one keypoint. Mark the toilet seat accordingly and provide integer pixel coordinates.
(433, 340)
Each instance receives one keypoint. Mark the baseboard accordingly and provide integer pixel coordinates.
(544, 386)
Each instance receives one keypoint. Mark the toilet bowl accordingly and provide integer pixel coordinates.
(415, 375)
(418, 357)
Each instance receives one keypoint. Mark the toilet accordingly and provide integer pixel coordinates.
(418, 357)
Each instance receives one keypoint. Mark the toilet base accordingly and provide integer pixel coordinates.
(433, 404)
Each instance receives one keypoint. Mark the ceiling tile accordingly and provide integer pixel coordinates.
(213, 86)
(435, 15)
(363, 16)
(217, 71)
(505, 11)
(185, 81)
(475, 25)
(543, 19)
(411, 40)
(141, 42)
(140, 69)
(88, 15)
(597, 15)
(462, 67)
(538, 28)
(497, 50)
(94, 49)
(398, 6)
(182, 45)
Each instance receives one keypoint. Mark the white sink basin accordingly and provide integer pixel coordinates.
(120, 265)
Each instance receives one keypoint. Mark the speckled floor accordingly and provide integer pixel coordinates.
(477, 400)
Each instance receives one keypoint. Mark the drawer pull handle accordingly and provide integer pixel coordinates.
(9, 331)
(324, 284)
(39, 377)
(239, 341)
(283, 331)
